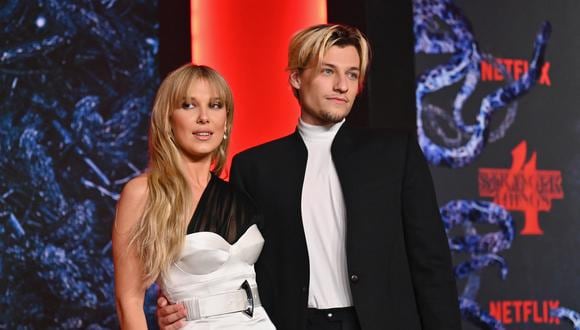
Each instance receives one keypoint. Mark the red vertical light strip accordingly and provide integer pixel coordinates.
(247, 41)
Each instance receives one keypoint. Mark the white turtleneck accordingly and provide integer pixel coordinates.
(324, 220)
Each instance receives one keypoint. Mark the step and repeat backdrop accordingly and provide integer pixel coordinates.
(497, 98)
(78, 79)
(497, 85)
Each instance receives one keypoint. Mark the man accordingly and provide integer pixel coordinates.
(353, 235)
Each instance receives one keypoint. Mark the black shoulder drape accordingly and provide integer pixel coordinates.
(223, 210)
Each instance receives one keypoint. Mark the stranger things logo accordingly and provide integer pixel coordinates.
(513, 67)
(510, 312)
(522, 188)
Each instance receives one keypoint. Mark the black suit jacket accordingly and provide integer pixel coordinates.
(398, 258)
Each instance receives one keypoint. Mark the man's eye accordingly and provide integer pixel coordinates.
(352, 76)
(327, 71)
(187, 106)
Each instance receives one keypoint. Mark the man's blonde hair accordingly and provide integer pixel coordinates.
(308, 47)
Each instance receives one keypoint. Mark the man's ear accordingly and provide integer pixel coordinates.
(295, 79)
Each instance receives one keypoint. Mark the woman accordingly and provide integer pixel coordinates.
(180, 224)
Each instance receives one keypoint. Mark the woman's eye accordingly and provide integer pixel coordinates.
(187, 106)
(216, 105)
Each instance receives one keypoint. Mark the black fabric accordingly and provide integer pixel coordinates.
(332, 319)
(398, 259)
(223, 210)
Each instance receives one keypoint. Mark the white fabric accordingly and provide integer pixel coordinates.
(209, 265)
(324, 220)
(221, 303)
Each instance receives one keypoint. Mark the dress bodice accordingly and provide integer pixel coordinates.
(216, 263)
(209, 264)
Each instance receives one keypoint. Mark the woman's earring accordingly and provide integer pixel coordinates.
(225, 136)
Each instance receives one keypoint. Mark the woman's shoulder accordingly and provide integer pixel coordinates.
(136, 188)
(231, 193)
(131, 203)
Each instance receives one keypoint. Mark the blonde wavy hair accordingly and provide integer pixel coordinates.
(159, 235)
(308, 47)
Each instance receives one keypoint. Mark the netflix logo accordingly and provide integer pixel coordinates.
(524, 311)
(515, 67)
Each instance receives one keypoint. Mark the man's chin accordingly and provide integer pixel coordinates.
(333, 118)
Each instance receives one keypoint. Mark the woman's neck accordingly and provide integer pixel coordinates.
(198, 173)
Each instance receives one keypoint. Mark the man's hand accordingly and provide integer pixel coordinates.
(170, 317)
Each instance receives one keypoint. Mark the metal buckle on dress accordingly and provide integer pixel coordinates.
(250, 298)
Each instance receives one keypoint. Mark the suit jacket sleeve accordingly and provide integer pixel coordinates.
(427, 247)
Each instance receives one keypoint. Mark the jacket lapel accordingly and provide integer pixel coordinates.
(295, 163)
(342, 145)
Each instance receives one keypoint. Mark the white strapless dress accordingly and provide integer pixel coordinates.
(208, 276)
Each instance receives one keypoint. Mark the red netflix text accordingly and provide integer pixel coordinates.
(515, 67)
(524, 311)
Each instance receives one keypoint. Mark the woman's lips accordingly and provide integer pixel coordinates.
(202, 135)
